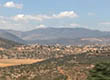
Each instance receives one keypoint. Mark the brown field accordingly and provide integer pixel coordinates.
(13, 62)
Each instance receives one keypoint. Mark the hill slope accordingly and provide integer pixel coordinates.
(7, 35)
(64, 68)
(7, 43)
(62, 35)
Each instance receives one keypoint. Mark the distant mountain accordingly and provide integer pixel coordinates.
(63, 35)
(60, 36)
(14, 32)
(4, 43)
(9, 36)
(56, 33)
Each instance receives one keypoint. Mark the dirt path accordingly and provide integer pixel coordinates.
(62, 72)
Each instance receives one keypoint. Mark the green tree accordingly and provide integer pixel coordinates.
(100, 72)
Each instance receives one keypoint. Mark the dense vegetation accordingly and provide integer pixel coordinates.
(100, 72)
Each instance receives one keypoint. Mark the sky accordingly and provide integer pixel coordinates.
(24, 15)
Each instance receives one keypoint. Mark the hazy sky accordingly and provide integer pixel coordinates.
(32, 14)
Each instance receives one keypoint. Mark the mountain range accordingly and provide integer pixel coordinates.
(63, 36)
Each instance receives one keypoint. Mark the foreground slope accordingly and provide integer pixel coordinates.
(70, 67)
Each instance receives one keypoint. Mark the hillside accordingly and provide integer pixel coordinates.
(70, 67)
(4, 43)
(64, 36)
(68, 33)
(9, 36)
(52, 69)
(55, 62)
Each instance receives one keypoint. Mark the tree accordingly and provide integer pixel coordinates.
(100, 72)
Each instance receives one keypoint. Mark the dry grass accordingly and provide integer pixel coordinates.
(12, 62)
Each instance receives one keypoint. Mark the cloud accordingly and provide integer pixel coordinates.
(28, 22)
(91, 14)
(30, 17)
(41, 26)
(66, 14)
(75, 25)
(11, 4)
(8, 23)
(3, 22)
(19, 17)
(69, 14)
(105, 23)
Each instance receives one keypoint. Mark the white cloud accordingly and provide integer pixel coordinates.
(30, 17)
(75, 25)
(66, 14)
(28, 22)
(69, 14)
(19, 17)
(91, 14)
(105, 23)
(3, 22)
(11, 4)
(41, 26)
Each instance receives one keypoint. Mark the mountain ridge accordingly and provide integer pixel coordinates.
(57, 35)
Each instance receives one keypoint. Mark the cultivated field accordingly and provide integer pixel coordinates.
(13, 62)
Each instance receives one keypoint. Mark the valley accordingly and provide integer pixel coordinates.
(20, 61)
(50, 62)
(54, 40)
